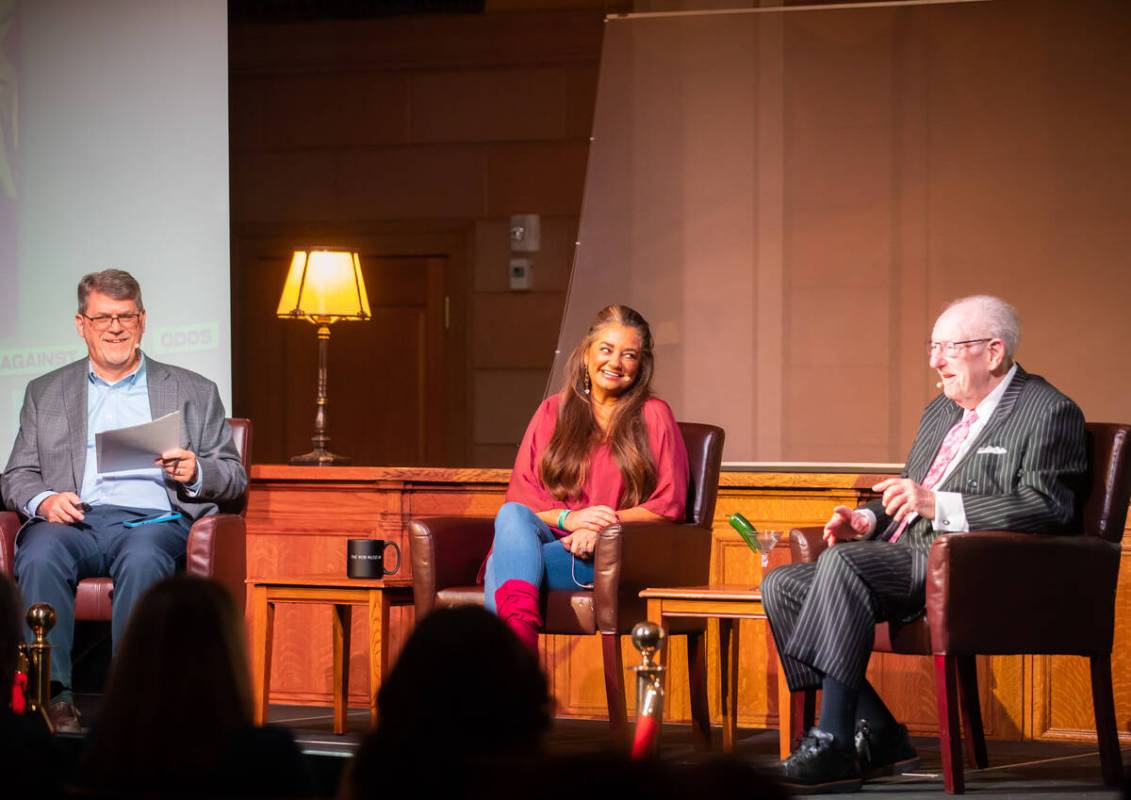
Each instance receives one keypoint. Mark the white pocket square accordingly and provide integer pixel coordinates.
(992, 450)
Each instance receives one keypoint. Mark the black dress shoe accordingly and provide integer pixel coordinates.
(818, 765)
(65, 718)
(887, 754)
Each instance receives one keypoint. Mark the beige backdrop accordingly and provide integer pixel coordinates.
(791, 196)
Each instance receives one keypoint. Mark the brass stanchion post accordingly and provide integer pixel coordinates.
(648, 638)
(41, 619)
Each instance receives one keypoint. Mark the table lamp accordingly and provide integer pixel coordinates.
(323, 286)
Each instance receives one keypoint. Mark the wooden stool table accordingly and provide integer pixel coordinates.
(727, 604)
(341, 593)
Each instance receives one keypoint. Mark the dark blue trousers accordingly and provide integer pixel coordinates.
(52, 558)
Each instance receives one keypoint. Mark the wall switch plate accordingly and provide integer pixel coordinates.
(525, 233)
(520, 274)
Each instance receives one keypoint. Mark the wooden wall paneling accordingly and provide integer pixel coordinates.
(570, 36)
(1062, 700)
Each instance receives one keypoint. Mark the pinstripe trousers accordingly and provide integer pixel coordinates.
(823, 615)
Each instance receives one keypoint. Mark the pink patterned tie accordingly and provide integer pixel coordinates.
(950, 447)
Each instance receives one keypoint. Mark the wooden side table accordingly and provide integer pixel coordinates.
(727, 604)
(341, 593)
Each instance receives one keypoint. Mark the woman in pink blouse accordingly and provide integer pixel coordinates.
(601, 451)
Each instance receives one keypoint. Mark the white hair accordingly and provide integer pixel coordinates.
(999, 317)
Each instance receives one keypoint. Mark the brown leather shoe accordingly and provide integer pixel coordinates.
(65, 718)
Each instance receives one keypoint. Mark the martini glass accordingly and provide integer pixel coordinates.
(766, 540)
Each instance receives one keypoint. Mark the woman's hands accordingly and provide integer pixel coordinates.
(581, 543)
(583, 526)
(593, 518)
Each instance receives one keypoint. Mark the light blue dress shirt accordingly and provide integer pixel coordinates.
(119, 405)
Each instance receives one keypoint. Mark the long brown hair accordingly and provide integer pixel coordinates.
(179, 686)
(565, 462)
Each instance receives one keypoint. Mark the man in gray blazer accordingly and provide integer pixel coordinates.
(998, 449)
(75, 514)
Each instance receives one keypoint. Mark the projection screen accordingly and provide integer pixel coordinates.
(791, 195)
(113, 153)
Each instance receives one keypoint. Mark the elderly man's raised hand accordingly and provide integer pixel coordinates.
(845, 524)
(903, 496)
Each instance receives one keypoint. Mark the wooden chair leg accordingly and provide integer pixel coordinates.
(697, 683)
(614, 681)
(787, 717)
(262, 637)
(946, 693)
(974, 733)
(1111, 759)
(341, 616)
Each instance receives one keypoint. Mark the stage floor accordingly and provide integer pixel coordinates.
(1017, 769)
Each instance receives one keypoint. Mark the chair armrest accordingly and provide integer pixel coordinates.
(217, 549)
(446, 551)
(805, 544)
(9, 527)
(631, 556)
(1002, 592)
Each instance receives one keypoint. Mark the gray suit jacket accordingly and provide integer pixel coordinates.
(50, 449)
(1024, 472)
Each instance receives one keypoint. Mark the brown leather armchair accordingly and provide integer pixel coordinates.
(216, 547)
(448, 551)
(996, 593)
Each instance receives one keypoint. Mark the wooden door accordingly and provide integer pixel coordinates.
(386, 395)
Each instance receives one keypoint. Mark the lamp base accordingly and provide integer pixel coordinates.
(320, 457)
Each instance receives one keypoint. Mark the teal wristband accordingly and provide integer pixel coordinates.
(561, 518)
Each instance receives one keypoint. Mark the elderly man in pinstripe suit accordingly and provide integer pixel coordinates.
(998, 449)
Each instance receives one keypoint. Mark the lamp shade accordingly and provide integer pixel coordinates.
(324, 285)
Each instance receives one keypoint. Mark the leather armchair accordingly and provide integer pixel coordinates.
(997, 593)
(216, 547)
(448, 551)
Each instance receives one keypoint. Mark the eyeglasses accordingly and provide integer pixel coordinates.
(102, 321)
(952, 349)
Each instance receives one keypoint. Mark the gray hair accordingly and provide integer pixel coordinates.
(999, 317)
(116, 283)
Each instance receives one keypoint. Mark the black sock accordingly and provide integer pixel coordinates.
(869, 706)
(838, 711)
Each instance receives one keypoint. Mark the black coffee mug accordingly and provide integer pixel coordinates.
(366, 558)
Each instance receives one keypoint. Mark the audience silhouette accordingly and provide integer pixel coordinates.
(177, 714)
(465, 713)
(464, 700)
